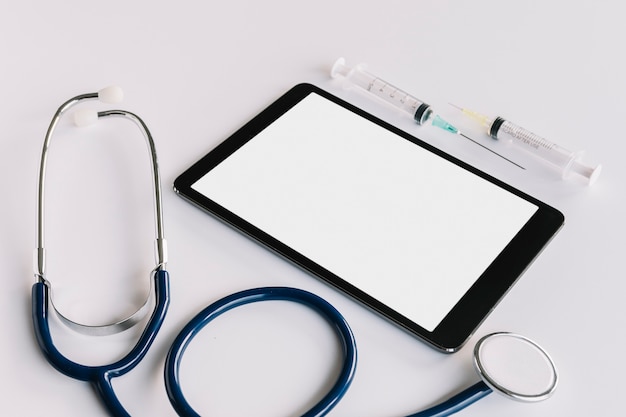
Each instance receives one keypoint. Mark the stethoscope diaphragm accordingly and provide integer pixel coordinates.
(515, 366)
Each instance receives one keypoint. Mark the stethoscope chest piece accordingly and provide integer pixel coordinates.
(515, 366)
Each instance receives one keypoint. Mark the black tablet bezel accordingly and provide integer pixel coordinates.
(460, 323)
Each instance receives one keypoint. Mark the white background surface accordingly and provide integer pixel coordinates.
(195, 71)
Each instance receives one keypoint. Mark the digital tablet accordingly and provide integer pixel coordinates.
(423, 239)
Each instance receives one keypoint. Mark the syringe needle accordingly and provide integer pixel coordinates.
(442, 124)
(490, 150)
(457, 107)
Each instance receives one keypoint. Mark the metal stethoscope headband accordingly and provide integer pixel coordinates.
(81, 118)
(99, 376)
(507, 363)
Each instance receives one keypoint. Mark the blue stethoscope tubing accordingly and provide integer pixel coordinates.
(100, 376)
(458, 402)
(326, 310)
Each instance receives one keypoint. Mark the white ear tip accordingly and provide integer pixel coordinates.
(85, 117)
(113, 94)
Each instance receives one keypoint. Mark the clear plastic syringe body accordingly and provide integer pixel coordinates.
(564, 160)
(559, 158)
(359, 77)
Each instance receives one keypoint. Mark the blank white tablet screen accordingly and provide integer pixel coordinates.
(402, 224)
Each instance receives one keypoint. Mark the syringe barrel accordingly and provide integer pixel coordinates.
(359, 77)
(557, 156)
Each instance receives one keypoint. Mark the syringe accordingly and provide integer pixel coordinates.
(559, 158)
(420, 111)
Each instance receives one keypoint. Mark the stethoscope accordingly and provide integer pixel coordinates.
(498, 357)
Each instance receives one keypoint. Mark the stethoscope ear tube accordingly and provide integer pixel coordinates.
(109, 94)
